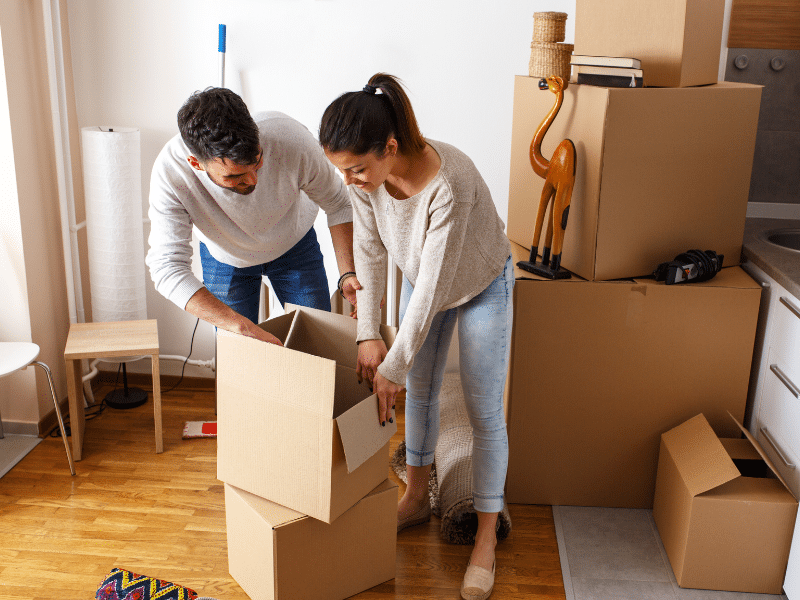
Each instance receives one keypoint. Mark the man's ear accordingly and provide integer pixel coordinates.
(195, 163)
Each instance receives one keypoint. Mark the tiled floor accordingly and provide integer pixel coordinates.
(617, 553)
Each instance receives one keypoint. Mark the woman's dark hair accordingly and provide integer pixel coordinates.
(215, 123)
(362, 122)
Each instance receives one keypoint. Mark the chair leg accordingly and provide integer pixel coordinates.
(58, 413)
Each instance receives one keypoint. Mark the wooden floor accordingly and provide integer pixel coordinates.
(164, 516)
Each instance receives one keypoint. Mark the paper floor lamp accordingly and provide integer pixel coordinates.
(115, 235)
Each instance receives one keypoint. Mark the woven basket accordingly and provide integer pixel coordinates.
(548, 58)
(549, 26)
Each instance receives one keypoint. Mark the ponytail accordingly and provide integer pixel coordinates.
(362, 122)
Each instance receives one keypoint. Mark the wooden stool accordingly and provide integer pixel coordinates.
(106, 340)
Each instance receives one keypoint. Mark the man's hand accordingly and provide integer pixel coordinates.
(207, 307)
(256, 332)
(349, 287)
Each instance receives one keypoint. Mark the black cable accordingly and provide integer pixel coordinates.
(183, 368)
(91, 412)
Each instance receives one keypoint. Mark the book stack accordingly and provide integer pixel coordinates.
(607, 71)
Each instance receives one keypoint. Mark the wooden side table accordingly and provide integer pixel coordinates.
(108, 340)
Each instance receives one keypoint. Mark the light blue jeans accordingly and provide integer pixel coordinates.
(484, 338)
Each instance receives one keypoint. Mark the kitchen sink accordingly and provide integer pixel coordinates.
(785, 238)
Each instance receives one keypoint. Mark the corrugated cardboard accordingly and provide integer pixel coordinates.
(294, 425)
(678, 41)
(660, 172)
(599, 370)
(277, 553)
(724, 527)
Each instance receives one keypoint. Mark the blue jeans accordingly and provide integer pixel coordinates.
(484, 339)
(297, 277)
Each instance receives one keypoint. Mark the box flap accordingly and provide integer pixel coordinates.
(279, 326)
(761, 452)
(361, 432)
(700, 457)
(272, 513)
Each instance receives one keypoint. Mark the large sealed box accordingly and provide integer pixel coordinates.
(294, 425)
(277, 553)
(660, 172)
(724, 514)
(678, 41)
(599, 370)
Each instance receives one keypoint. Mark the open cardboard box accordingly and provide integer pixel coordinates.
(678, 41)
(600, 369)
(294, 425)
(724, 513)
(659, 172)
(277, 553)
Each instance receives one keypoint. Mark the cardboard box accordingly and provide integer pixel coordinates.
(660, 172)
(678, 41)
(599, 370)
(294, 425)
(724, 514)
(278, 553)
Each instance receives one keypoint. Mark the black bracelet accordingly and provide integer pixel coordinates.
(341, 280)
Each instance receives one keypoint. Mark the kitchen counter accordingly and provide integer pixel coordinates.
(782, 264)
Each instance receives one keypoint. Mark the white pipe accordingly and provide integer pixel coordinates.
(58, 105)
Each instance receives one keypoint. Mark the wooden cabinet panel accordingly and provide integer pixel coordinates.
(765, 24)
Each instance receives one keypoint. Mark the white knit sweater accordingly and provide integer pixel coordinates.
(294, 181)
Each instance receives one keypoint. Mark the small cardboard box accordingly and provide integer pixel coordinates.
(724, 514)
(600, 369)
(294, 425)
(278, 553)
(678, 41)
(660, 172)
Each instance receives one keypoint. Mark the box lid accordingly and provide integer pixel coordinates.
(762, 454)
(701, 459)
(361, 433)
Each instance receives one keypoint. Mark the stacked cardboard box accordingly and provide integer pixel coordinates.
(604, 363)
(304, 460)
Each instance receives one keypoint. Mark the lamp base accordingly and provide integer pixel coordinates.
(126, 398)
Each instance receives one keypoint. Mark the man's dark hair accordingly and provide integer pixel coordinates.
(215, 123)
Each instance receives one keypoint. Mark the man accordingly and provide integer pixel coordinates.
(252, 188)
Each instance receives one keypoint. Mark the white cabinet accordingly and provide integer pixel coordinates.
(775, 396)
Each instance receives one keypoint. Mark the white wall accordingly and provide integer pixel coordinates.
(136, 62)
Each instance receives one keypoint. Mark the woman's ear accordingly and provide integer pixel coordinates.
(391, 148)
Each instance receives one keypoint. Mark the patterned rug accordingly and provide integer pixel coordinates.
(450, 486)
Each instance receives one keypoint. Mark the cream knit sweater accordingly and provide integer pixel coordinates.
(447, 240)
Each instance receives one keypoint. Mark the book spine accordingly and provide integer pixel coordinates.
(616, 81)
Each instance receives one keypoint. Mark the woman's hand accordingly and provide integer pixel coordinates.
(370, 355)
(387, 395)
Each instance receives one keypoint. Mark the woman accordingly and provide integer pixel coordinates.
(424, 203)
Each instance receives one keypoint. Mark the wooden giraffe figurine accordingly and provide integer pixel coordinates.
(559, 179)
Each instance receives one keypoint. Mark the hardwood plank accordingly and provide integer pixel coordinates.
(163, 515)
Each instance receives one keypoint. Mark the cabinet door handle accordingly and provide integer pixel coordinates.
(788, 304)
(785, 380)
(777, 448)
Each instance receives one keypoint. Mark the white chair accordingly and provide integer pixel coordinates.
(15, 356)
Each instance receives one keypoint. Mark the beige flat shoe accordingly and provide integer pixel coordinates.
(478, 583)
(423, 515)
